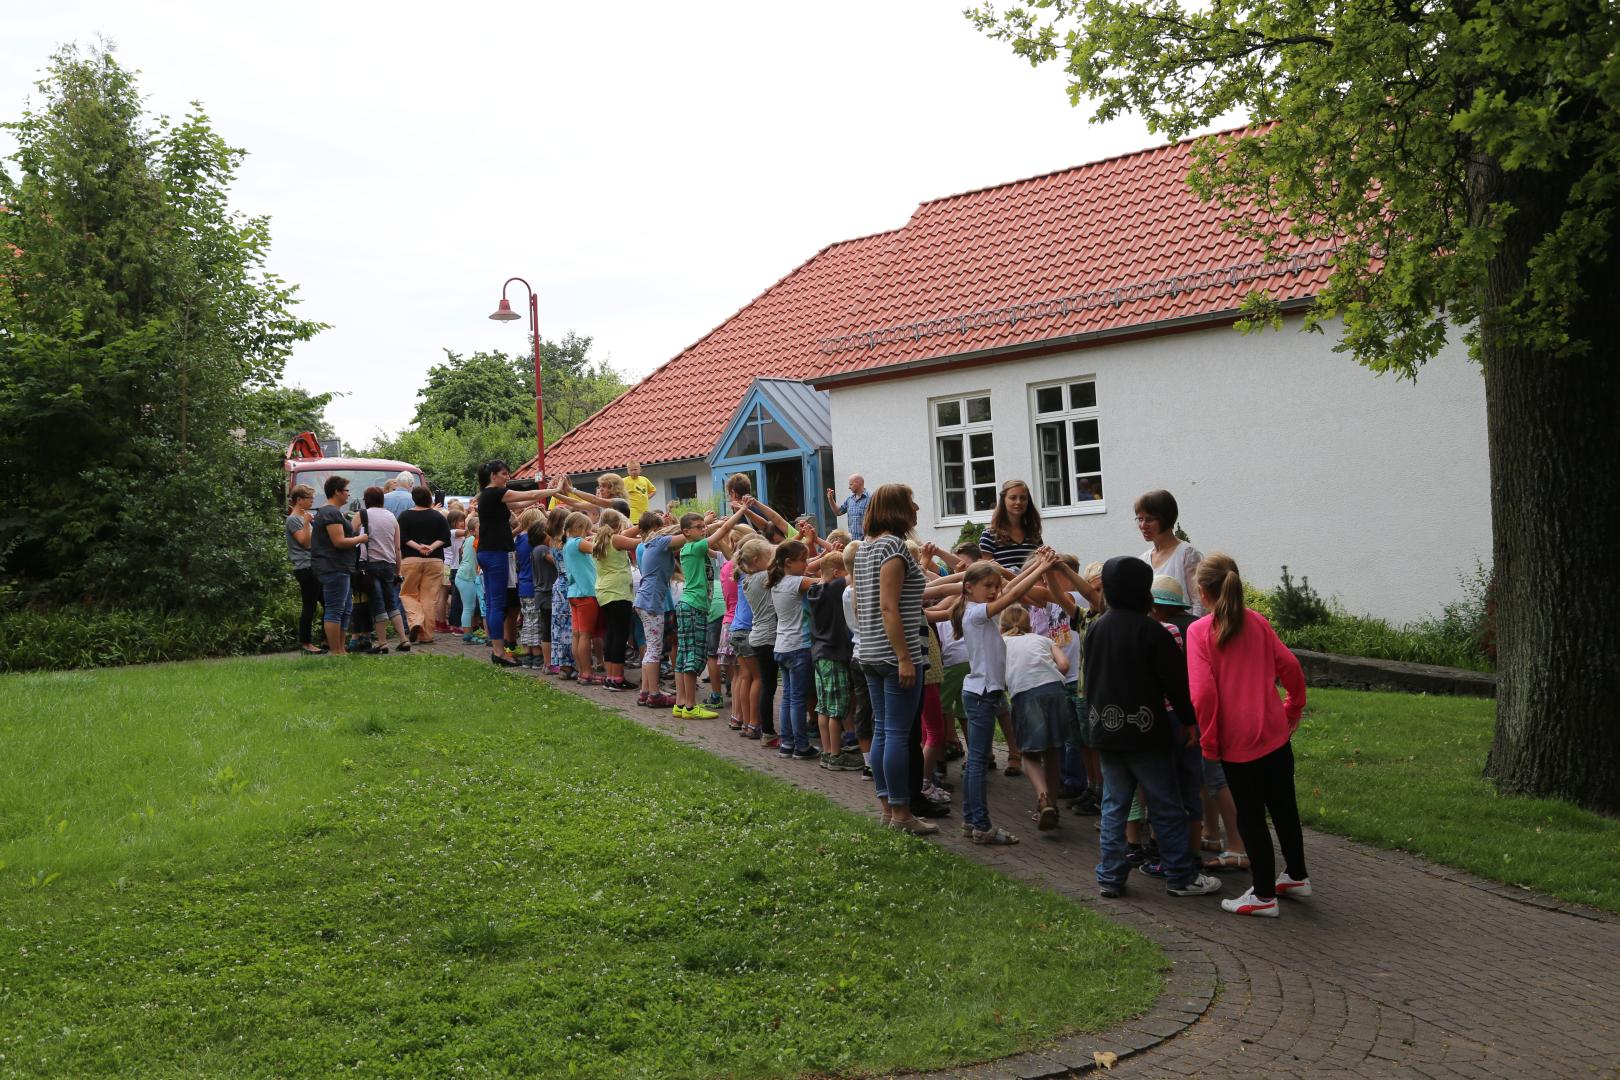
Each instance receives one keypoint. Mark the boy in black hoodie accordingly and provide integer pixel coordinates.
(1132, 668)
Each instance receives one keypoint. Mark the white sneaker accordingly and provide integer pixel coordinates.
(1287, 886)
(1250, 904)
(1202, 885)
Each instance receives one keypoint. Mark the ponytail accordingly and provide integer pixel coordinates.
(1218, 576)
(785, 554)
(610, 524)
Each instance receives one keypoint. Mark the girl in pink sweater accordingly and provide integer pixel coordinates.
(1234, 661)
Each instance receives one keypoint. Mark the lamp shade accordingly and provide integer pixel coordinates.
(504, 313)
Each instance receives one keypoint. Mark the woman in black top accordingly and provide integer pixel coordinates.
(1015, 527)
(495, 547)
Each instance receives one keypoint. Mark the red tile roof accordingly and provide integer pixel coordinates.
(1105, 246)
(678, 411)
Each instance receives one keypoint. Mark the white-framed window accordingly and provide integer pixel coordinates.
(964, 454)
(1068, 444)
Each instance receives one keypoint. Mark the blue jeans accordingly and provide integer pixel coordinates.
(981, 710)
(893, 708)
(493, 564)
(384, 592)
(797, 673)
(336, 596)
(1072, 770)
(1155, 772)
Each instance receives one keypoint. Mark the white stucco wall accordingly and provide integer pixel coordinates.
(661, 476)
(1278, 450)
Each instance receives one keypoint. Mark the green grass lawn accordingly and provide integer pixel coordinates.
(419, 867)
(1403, 771)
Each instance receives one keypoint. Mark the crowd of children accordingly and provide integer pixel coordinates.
(1112, 689)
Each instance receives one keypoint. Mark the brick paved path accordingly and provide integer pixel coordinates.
(1397, 967)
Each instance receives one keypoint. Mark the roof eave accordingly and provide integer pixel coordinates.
(908, 368)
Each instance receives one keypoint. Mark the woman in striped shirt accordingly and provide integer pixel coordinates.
(889, 601)
(1015, 528)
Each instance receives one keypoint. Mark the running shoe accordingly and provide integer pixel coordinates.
(1250, 904)
(1287, 886)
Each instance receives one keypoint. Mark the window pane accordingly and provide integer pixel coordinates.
(1082, 395)
(1053, 463)
(1088, 460)
(984, 472)
(1085, 433)
(984, 498)
(1090, 488)
(1049, 399)
(955, 478)
(948, 413)
(978, 410)
(955, 503)
(982, 445)
(776, 438)
(950, 449)
(746, 444)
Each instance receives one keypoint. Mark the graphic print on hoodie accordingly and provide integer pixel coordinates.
(1132, 667)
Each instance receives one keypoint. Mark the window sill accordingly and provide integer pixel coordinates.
(1097, 506)
(960, 520)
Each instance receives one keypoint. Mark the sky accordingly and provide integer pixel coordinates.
(649, 168)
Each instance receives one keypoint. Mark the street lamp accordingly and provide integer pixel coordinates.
(504, 313)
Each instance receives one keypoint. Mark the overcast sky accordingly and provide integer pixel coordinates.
(649, 167)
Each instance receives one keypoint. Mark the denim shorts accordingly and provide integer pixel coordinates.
(336, 592)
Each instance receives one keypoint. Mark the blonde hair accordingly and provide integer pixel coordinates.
(614, 483)
(754, 550)
(609, 525)
(300, 491)
(849, 557)
(526, 520)
(1218, 576)
(1015, 621)
(576, 524)
(838, 537)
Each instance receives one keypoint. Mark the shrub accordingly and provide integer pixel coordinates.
(69, 638)
(971, 531)
(1295, 607)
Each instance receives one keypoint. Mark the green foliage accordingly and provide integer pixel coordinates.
(449, 456)
(68, 638)
(971, 531)
(1294, 606)
(1403, 771)
(478, 407)
(138, 326)
(240, 865)
(1460, 637)
(1407, 135)
(280, 412)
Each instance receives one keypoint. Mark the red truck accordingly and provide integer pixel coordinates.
(304, 463)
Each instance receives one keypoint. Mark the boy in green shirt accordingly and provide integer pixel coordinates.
(692, 613)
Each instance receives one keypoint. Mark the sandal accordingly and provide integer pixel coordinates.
(997, 836)
(1207, 844)
(1046, 814)
(734, 724)
(1228, 860)
(914, 825)
(1013, 763)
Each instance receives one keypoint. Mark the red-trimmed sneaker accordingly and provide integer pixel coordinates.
(1250, 904)
(1287, 886)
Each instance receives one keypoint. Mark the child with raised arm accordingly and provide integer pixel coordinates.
(1035, 669)
(788, 581)
(985, 594)
(609, 547)
(692, 610)
(830, 653)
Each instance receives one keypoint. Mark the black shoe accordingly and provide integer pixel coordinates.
(501, 661)
(1086, 805)
(1071, 791)
(416, 634)
(954, 752)
(404, 646)
(925, 808)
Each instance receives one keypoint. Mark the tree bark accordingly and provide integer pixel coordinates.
(1555, 511)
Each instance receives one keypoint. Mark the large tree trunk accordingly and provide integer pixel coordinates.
(1552, 424)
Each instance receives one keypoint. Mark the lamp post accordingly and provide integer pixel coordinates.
(504, 313)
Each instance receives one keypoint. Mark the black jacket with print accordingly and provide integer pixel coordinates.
(1133, 667)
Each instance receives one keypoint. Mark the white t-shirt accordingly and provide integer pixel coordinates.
(788, 599)
(952, 649)
(1029, 663)
(1052, 623)
(1181, 565)
(987, 656)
